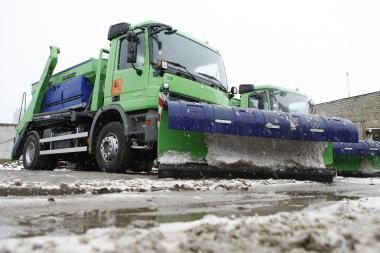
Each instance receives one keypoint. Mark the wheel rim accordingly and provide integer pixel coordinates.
(30, 153)
(109, 147)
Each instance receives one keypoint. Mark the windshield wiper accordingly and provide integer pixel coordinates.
(219, 83)
(176, 64)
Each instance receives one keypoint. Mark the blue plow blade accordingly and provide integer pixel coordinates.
(203, 117)
(363, 148)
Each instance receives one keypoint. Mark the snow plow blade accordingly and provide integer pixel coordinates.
(361, 159)
(203, 140)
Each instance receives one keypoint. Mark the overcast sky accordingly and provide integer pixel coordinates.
(309, 45)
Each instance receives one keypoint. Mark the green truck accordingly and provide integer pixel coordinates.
(159, 94)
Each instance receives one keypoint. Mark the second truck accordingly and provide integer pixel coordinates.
(158, 94)
(349, 158)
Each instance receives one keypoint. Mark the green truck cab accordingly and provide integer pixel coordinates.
(273, 98)
(116, 127)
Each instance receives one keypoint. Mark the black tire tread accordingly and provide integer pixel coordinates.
(121, 163)
(40, 162)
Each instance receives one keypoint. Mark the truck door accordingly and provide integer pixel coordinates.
(127, 86)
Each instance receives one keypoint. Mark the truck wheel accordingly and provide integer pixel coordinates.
(112, 151)
(31, 158)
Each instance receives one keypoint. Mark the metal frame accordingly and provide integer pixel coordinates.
(64, 137)
(63, 150)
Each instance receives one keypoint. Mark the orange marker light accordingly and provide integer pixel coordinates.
(116, 87)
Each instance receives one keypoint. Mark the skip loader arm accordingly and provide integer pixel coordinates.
(38, 94)
(35, 105)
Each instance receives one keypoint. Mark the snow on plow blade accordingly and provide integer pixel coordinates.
(361, 159)
(200, 140)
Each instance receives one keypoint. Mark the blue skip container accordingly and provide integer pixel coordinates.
(72, 93)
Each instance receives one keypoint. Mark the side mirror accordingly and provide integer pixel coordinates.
(132, 48)
(312, 109)
(117, 29)
(233, 90)
(245, 88)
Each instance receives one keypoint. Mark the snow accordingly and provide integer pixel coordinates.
(12, 165)
(357, 180)
(175, 157)
(227, 151)
(254, 152)
(17, 165)
(333, 228)
(367, 167)
(18, 187)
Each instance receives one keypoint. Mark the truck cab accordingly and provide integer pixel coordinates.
(273, 98)
(150, 54)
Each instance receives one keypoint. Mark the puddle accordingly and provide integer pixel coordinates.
(327, 196)
(79, 222)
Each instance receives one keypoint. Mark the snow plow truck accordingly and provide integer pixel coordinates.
(160, 95)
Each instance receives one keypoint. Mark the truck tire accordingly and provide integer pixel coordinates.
(31, 158)
(112, 152)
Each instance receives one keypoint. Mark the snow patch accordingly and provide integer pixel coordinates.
(255, 152)
(142, 184)
(12, 165)
(20, 188)
(367, 167)
(174, 157)
(357, 180)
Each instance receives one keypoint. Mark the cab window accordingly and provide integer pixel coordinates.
(259, 101)
(123, 64)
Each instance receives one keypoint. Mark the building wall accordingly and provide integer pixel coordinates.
(363, 110)
(7, 133)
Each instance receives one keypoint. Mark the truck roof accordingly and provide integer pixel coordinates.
(275, 87)
(148, 22)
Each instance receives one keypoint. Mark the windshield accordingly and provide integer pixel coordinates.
(289, 102)
(199, 60)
